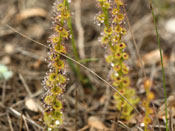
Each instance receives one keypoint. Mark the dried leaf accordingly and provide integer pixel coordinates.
(95, 122)
(170, 106)
(9, 48)
(31, 13)
(152, 57)
(31, 105)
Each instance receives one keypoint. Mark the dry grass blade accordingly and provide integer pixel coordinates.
(17, 114)
(95, 74)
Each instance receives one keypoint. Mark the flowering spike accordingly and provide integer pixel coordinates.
(55, 80)
(112, 35)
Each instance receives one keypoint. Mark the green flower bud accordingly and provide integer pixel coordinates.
(106, 5)
(101, 18)
(56, 90)
(61, 79)
(48, 100)
(60, 7)
(57, 105)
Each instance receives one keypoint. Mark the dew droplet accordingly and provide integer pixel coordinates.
(116, 74)
(57, 122)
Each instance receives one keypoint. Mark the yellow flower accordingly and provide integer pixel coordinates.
(147, 120)
(119, 2)
(60, 7)
(53, 57)
(55, 39)
(118, 55)
(115, 11)
(64, 33)
(150, 96)
(59, 28)
(121, 45)
(59, 64)
(125, 56)
(48, 99)
(118, 29)
(145, 103)
(101, 18)
(61, 79)
(116, 38)
(57, 105)
(147, 84)
(120, 17)
(101, 0)
(60, 48)
(126, 81)
(52, 77)
(125, 70)
(123, 32)
(105, 39)
(108, 31)
(57, 115)
(65, 14)
(115, 20)
(117, 67)
(106, 5)
(56, 90)
(109, 58)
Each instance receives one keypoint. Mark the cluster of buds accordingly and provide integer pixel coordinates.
(55, 80)
(146, 104)
(113, 19)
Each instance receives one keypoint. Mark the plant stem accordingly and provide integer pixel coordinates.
(162, 65)
(75, 52)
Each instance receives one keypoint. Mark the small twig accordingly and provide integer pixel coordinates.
(26, 125)
(10, 122)
(21, 122)
(84, 128)
(29, 54)
(17, 114)
(108, 96)
(25, 85)
(124, 125)
(76, 108)
(3, 91)
(118, 118)
(139, 128)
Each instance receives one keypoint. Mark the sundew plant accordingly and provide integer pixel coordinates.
(55, 80)
(112, 20)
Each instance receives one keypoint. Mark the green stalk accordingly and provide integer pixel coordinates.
(162, 65)
(76, 69)
(75, 51)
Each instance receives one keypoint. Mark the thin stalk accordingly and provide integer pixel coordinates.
(75, 52)
(162, 65)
